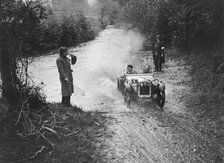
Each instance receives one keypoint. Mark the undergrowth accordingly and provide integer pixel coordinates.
(206, 98)
(54, 134)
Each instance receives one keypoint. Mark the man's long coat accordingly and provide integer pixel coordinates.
(157, 49)
(65, 71)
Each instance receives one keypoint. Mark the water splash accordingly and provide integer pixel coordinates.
(99, 64)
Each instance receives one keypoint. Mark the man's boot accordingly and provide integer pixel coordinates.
(63, 101)
(67, 103)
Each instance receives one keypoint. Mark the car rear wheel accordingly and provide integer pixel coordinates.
(161, 99)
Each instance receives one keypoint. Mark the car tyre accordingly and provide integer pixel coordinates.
(161, 99)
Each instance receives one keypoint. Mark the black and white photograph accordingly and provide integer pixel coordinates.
(111, 81)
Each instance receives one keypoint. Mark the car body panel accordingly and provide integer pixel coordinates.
(142, 86)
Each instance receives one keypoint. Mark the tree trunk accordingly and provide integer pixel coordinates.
(8, 92)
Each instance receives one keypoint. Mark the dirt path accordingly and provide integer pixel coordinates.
(147, 134)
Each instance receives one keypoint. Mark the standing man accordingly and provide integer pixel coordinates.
(158, 53)
(65, 73)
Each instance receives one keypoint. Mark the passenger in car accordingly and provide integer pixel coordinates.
(147, 69)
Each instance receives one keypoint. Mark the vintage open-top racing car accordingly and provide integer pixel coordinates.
(136, 87)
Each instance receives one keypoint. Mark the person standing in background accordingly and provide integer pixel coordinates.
(158, 53)
(65, 74)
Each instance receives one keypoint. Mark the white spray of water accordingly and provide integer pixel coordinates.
(105, 60)
(99, 64)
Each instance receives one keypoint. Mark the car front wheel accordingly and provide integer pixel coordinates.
(161, 99)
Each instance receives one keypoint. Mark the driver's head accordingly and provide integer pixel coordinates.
(129, 69)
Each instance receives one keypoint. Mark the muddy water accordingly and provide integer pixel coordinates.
(99, 63)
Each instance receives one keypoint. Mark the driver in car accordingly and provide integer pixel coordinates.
(129, 70)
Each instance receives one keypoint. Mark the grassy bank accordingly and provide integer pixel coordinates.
(57, 134)
(206, 98)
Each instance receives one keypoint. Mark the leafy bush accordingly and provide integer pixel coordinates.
(75, 31)
(67, 31)
(51, 35)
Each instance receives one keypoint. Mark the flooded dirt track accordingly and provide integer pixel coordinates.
(143, 133)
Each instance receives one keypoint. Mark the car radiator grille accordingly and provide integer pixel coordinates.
(145, 90)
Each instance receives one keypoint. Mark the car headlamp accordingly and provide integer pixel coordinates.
(127, 85)
(161, 86)
(155, 82)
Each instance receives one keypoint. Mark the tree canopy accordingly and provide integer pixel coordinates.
(184, 23)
